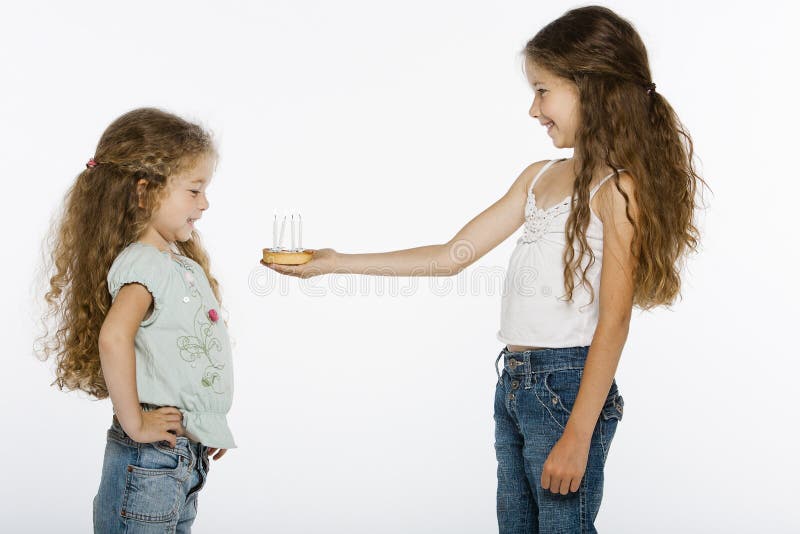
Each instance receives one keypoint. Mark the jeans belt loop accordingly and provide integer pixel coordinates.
(496, 369)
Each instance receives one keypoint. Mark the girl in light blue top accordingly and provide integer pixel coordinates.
(138, 318)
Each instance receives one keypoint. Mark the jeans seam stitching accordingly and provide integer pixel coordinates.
(582, 503)
(547, 409)
(603, 440)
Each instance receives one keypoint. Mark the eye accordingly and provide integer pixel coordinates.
(541, 91)
(194, 192)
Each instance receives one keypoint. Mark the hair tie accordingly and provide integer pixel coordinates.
(91, 164)
(651, 88)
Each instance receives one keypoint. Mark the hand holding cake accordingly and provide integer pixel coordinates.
(321, 261)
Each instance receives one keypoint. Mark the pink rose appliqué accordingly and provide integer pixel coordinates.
(213, 315)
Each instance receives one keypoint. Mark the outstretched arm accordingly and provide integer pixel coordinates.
(480, 235)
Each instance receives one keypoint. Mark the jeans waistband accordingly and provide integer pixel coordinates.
(145, 408)
(541, 360)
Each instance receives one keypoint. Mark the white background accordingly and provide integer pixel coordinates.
(390, 125)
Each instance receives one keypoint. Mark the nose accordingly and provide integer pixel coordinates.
(534, 112)
(203, 202)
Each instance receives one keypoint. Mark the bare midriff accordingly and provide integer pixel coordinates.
(521, 348)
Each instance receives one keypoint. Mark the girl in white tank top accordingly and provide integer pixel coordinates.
(557, 408)
(534, 310)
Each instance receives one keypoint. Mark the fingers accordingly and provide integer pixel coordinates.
(169, 414)
(169, 410)
(172, 439)
(176, 427)
(286, 269)
(306, 270)
(556, 484)
(220, 453)
(283, 269)
(162, 424)
(546, 478)
(170, 422)
(562, 484)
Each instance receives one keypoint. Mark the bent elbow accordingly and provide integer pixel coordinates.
(110, 340)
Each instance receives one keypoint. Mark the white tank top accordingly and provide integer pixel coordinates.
(534, 309)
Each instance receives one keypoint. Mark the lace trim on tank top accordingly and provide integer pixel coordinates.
(538, 220)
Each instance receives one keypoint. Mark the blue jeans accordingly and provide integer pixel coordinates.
(148, 487)
(533, 400)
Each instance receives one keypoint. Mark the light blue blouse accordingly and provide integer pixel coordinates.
(183, 353)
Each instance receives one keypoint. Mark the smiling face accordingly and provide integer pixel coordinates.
(556, 104)
(183, 203)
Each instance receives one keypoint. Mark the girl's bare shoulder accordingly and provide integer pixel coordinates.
(529, 173)
(611, 203)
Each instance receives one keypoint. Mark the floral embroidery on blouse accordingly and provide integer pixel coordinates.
(201, 345)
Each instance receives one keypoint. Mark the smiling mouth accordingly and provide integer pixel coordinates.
(549, 125)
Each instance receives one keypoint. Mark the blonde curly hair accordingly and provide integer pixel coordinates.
(101, 216)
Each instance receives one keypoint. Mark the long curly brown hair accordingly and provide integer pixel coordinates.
(101, 216)
(624, 123)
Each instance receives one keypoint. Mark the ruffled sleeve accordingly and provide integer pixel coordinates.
(141, 264)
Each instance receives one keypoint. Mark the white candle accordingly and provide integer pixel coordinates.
(283, 228)
(293, 233)
(274, 229)
(300, 235)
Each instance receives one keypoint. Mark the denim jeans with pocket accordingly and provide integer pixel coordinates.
(148, 487)
(533, 400)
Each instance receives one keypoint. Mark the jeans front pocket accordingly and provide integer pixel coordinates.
(613, 407)
(201, 467)
(558, 392)
(154, 486)
(610, 415)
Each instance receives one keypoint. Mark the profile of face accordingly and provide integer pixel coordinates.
(183, 203)
(556, 104)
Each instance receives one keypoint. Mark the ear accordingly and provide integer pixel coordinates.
(141, 186)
